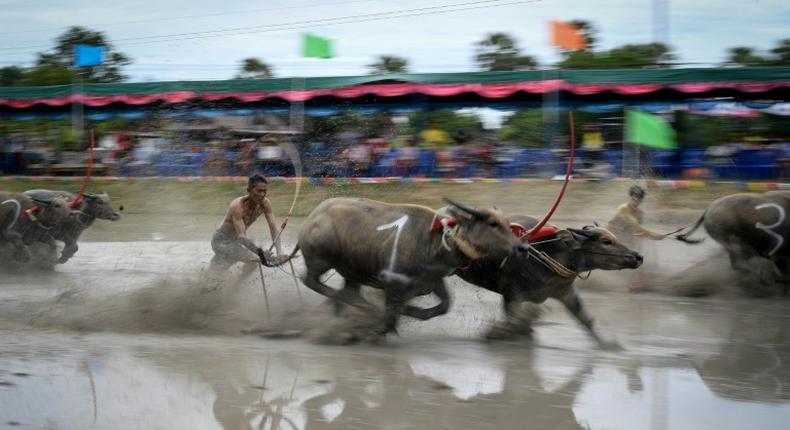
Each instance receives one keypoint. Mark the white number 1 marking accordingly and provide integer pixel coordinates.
(16, 211)
(767, 228)
(398, 224)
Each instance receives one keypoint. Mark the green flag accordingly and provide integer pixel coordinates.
(649, 130)
(316, 47)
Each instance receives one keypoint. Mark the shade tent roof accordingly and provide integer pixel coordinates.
(594, 86)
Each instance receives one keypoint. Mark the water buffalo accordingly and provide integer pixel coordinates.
(534, 278)
(24, 220)
(753, 229)
(92, 207)
(405, 250)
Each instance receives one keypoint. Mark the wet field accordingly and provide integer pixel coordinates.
(136, 335)
(133, 333)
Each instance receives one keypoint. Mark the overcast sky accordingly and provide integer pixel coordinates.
(700, 31)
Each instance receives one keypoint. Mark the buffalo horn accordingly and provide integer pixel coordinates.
(582, 232)
(41, 201)
(474, 212)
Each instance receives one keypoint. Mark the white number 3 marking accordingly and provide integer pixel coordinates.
(398, 224)
(767, 228)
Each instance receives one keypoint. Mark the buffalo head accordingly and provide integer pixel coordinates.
(482, 232)
(98, 205)
(600, 249)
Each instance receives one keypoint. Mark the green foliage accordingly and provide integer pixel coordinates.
(57, 66)
(389, 64)
(253, 68)
(747, 56)
(588, 30)
(524, 128)
(701, 130)
(499, 52)
(626, 56)
(781, 53)
(330, 126)
(63, 56)
(454, 123)
(10, 75)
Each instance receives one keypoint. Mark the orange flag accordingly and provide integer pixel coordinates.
(565, 35)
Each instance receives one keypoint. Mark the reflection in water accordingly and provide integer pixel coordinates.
(699, 365)
(754, 365)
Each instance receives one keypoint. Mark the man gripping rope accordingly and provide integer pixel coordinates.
(628, 219)
(230, 242)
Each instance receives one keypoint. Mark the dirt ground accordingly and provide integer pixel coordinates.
(133, 333)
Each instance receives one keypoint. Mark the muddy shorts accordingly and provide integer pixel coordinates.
(229, 248)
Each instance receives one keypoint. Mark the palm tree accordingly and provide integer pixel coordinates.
(744, 56)
(253, 68)
(498, 52)
(389, 64)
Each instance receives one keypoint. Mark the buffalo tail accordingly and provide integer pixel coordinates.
(685, 236)
(283, 261)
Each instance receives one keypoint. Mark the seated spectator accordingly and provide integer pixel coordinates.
(446, 161)
(216, 164)
(407, 158)
(359, 157)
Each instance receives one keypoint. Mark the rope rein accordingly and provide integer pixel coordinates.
(465, 247)
(553, 265)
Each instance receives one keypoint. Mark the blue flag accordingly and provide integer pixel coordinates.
(88, 55)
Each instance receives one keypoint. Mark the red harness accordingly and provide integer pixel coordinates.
(521, 232)
(436, 224)
(29, 213)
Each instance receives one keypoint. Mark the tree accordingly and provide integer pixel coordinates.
(525, 128)
(389, 64)
(498, 52)
(53, 64)
(588, 31)
(455, 124)
(745, 56)
(10, 75)
(626, 56)
(253, 68)
(781, 53)
(56, 67)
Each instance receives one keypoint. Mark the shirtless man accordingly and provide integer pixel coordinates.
(230, 242)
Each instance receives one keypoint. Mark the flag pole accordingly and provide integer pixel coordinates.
(77, 108)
